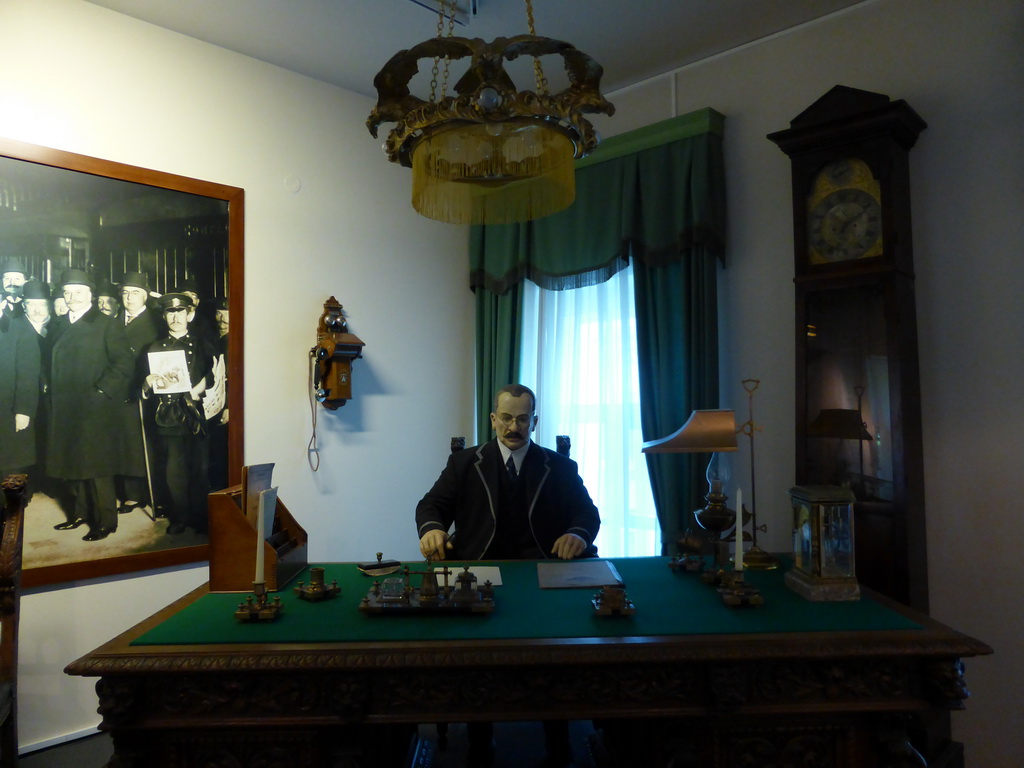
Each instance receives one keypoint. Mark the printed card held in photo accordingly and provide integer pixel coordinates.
(172, 369)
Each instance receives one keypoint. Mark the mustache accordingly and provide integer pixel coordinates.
(515, 433)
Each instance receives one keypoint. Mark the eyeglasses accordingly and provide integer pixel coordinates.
(520, 421)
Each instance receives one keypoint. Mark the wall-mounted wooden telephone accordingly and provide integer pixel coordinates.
(332, 357)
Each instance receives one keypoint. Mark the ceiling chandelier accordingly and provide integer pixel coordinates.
(490, 153)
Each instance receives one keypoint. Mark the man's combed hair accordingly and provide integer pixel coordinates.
(515, 390)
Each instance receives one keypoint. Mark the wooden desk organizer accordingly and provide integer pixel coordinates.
(233, 545)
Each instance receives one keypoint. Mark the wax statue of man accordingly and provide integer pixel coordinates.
(90, 375)
(545, 512)
(180, 420)
(509, 499)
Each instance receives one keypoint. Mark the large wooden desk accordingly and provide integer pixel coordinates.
(684, 682)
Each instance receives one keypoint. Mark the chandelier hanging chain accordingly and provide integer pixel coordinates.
(488, 153)
(447, 58)
(538, 70)
(437, 59)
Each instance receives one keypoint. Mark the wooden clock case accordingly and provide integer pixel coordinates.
(856, 337)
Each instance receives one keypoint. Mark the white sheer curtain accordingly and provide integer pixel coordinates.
(579, 356)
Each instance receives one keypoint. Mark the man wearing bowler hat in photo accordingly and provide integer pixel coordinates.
(13, 277)
(39, 315)
(19, 390)
(90, 375)
(38, 311)
(178, 413)
(142, 326)
(107, 298)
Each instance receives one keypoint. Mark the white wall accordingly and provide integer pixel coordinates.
(90, 81)
(86, 80)
(961, 67)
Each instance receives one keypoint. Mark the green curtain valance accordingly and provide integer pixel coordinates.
(652, 194)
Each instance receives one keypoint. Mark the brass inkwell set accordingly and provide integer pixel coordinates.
(396, 594)
(259, 606)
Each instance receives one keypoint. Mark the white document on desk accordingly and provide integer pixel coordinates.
(483, 573)
(578, 573)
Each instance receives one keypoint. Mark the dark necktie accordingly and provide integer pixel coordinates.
(510, 465)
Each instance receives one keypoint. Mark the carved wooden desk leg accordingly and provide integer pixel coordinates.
(897, 750)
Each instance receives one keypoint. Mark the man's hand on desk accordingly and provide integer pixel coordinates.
(567, 546)
(433, 545)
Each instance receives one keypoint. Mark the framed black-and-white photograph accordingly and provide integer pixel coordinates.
(120, 359)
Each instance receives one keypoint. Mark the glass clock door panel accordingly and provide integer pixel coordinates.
(848, 436)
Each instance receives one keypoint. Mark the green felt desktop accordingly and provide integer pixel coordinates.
(667, 603)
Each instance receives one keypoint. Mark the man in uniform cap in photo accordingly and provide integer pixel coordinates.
(181, 368)
(90, 375)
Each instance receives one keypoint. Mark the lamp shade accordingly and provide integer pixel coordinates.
(493, 173)
(703, 432)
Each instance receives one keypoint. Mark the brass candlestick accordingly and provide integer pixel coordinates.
(736, 592)
(755, 558)
(257, 606)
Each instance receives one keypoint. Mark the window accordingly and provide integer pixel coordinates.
(579, 352)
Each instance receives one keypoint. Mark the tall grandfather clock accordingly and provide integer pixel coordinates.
(858, 409)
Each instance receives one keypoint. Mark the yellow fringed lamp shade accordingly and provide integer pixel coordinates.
(493, 173)
(491, 153)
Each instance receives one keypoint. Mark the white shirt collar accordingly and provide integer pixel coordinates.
(128, 316)
(517, 455)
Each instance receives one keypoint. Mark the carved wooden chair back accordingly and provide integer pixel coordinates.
(562, 444)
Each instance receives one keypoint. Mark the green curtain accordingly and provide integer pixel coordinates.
(654, 197)
(677, 348)
(498, 329)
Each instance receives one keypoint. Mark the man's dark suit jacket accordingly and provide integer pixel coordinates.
(467, 491)
(90, 375)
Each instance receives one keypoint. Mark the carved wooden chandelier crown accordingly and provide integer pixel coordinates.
(490, 154)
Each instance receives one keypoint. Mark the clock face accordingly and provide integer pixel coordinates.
(844, 214)
(845, 225)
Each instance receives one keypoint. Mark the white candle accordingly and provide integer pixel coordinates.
(259, 579)
(739, 529)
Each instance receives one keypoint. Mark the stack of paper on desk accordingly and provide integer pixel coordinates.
(483, 573)
(577, 573)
